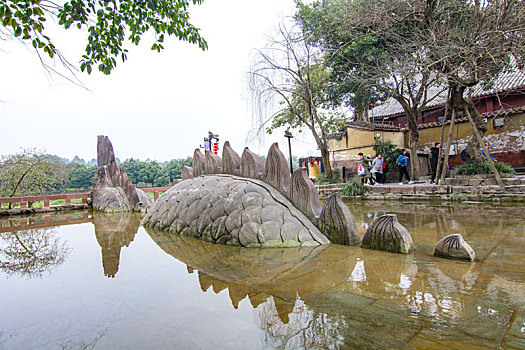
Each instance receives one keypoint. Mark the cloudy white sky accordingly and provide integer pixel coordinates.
(156, 106)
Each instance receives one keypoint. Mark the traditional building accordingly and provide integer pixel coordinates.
(502, 105)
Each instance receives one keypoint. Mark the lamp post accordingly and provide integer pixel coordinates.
(289, 136)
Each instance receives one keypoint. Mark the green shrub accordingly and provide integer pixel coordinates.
(353, 188)
(336, 177)
(482, 168)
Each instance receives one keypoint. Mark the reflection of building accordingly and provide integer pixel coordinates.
(114, 231)
(502, 105)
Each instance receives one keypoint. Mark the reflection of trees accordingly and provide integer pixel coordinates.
(30, 253)
(305, 328)
(114, 231)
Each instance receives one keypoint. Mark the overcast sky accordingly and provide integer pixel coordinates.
(155, 105)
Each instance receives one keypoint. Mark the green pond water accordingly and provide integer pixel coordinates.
(82, 279)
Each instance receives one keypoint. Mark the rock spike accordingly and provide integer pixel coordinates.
(199, 163)
(387, 234)
(186, 172)
(276, 172)
(252, 166)
(454, 247)
(303, 195)
(105, 153)
(337, 223)
(112, 188)
(213, 164)
(231, 162)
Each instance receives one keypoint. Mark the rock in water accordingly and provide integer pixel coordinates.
(337, 223)
(387, 234)
(232, 210)
(112, 188)
(454, 247)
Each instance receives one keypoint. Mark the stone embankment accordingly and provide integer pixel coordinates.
(455, 189)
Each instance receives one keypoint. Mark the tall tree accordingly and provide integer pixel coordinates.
(472, 42)
(29, 172)
(373, 57)
(107, 23)
(291, 72)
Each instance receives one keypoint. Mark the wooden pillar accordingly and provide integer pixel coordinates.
(23, 204)
(68, 201)
(46, 203)
(84, 200)
(155, 195)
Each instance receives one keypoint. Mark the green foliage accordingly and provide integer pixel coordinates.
(353, 188)
(348, 52)
(81, 176)
(151, 173)
(107, 23)
(482, 168)
(389, 152)
(336, 177)
(30, 173)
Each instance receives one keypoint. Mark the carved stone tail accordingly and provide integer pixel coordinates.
(454, 247)
(387, 234)
(337, 223)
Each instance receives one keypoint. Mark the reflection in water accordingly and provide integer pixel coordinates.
(114, 231)
(304, 329)
(319, 297)
(30, 253)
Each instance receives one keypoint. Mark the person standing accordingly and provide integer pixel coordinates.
(364, 171)
(377, 168)
(434, 154)
(402, 163)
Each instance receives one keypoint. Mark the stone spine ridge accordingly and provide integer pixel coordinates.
(231, 162)
(304, 195)
(186, 172)
(231, 210)
(387, 234)
(213, 164)
(337, 223)
(199, 163)
(454, 247)
(276, 172)
(252, 166)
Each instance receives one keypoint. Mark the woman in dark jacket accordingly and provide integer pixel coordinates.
(434, 154)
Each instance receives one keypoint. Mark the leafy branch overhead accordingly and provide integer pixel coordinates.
(108, 24)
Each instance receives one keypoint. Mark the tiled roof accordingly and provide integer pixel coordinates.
(507, 81)
(498, 113)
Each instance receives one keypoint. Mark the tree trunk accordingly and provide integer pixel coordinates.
(474, 147)
(459, 103)
(361, 116)
(325, 158)
(412, 117)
